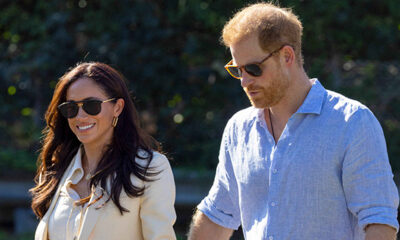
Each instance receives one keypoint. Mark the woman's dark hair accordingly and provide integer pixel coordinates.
(59, 144)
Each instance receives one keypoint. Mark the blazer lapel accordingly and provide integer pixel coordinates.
(93, 212)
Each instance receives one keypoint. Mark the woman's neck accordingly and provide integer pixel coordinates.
(91, 156)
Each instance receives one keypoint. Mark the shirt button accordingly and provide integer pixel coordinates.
(274, 170)
(273, 204)
(271, 238)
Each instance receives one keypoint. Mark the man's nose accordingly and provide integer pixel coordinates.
(246, 79)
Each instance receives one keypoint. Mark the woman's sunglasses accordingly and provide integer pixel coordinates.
(254, 69)
(90, 106)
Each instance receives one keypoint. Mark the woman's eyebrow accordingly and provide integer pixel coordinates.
(85, 99)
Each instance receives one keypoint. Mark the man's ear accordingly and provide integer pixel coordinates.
(288, 54)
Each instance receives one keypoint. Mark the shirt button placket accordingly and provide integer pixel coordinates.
(273, 189)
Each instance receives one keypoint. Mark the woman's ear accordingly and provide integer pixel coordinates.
(119, 106)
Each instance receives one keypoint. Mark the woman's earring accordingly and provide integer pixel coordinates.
(114, 121)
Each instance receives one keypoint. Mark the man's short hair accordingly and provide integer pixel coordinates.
(274, 25)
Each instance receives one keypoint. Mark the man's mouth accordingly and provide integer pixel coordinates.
(253, 92)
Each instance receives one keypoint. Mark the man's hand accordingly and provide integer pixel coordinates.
(380, 232)
(202, 228)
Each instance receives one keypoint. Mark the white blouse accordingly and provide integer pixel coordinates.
(66, 219)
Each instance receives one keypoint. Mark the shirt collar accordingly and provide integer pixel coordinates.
(314, 100)
(76, 173)
(260, 114)
(312, 104)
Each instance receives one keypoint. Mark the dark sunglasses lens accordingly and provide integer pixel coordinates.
(235, 71)
(69, 110)
(253, 69)
(92, 107)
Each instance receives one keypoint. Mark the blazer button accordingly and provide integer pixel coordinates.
(75, 238)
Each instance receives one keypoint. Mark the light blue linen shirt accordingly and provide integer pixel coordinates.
(327, 177)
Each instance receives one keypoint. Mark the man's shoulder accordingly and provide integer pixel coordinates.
(245, 115)
(240, 123)
(345, 107)
(340, 102)
(243, 119)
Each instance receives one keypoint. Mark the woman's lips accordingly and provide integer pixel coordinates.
(85, 127)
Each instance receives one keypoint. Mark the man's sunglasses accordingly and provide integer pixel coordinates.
(90, 106)
(254, 69)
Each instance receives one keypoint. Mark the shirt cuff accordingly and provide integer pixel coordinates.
(378, 215)
(217, 216)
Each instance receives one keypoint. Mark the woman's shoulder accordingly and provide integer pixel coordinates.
(157, 160)
(158, 168)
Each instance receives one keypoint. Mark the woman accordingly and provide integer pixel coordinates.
(100, 175)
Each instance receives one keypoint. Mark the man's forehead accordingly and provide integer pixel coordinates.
(246, 51)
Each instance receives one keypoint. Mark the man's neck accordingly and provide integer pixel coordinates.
(297, 92)
(289, 104)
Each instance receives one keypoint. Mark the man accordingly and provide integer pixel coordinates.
(302, 162)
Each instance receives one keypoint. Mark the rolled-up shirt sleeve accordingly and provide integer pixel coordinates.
(369, 188)
(221, 205)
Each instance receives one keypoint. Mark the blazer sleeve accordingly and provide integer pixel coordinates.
(157, 211)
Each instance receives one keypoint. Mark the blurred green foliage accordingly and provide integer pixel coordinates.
(170, 53)
(7, 236)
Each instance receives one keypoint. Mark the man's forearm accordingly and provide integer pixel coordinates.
(203, 228)
(380, 232)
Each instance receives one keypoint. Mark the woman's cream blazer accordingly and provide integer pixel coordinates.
(151, 216)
